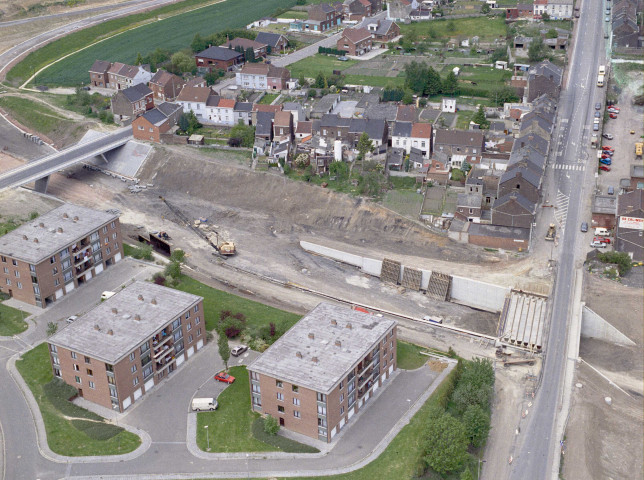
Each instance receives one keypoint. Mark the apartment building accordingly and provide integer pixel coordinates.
(50, 256)
(122, 348)
(322, 371)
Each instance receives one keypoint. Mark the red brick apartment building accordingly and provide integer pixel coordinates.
(323, 370)
(122, 348)
(50, 256)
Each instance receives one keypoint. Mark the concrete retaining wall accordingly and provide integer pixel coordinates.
(594, 326)
(474, 293)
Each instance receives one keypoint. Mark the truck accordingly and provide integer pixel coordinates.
(600, 80)
(594, 141)
(550, 234)
(200, 404)
(602, 70)
(638, 149)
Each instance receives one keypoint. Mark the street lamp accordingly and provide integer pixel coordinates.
(248, 464)
(478, 473)
(207, 437)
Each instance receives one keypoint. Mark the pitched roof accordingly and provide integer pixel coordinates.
(268, 38)
(243, 107)
(406, 113)
(630, 202)
(194, 94)
(260, 107)
(219, 53)
(270, 70)
(529, 175)
(402, 129)
(264, 124)
(283, 119)
(548, 70)
(168, 108)
(325, 7)
(532, 140)
(527, 157)
(355, 35)
(517, 197)
(155, 116)
(468, 138)
(385, 111)
(136, 92)
(421, 130)
(304, 128)
(470, 200)
(244, 43)
(333, 120)
(129, 71)
(100, 66)
(163, 78)
(196, 81)
(384, 26)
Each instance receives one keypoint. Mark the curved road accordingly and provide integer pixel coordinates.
(9, 56)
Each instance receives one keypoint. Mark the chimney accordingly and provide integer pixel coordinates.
(60, 230)
(349, 326)
(35, 240)
(65, 215)
(75, 219)
(140, 297)
(41, 225)
(137, 317)
(298, 354)
(110, 332)
(96, 327)
(311, 335)
(334, 322)
(314, 359)
(338, 343)
(24, 237)
(154, 301)
(115, 311)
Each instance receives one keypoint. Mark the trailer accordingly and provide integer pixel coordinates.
(521, 361)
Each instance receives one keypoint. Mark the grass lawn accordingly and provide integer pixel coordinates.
(268, 98)
(487, 28)
(294, 14)
(463, 120)
(408, 355)
(311, 66)
(404, 202)
(71, 430)
(11, 321)
(173, 33)
(375, 81)
(217, 301)
(33, 115)
(230, 427)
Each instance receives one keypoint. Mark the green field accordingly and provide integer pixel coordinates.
(294, 14)
(33, 115)
(374, 81)
(11, 321)
(311, 66)
(487, 28)
(71, 430)
(268, 98)
(174, 33)
(463, 121)
(408, 355)
(405, 202)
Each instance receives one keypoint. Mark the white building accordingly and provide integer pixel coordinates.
(449, 105)
(220, 111)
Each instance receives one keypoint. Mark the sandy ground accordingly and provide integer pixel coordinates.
(19, 9)
(602, 441)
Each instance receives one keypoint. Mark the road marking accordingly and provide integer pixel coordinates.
(562, 166)
(561, 212)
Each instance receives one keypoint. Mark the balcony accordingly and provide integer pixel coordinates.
(164, 364)
(81, 257)
(162, 349)
(365, 364)
(364, 378)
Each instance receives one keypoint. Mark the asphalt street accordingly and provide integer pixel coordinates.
(536, 452)
(57, 161)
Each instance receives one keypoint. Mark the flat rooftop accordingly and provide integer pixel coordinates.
(315, 337)
(48, 234)
(142, 310)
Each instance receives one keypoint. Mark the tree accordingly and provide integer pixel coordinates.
(365, 145)
(319, 80)
(52, 327)
(408, 98)
(416, 76)
(213, 77)
(139, 59)
(503, 94)
(433, 83)
(545, 16)
(451, 26)
(173, 269)
(467, 474)
(249, 55)
(477, 425)
(369, 184)
(479, 118)
(302, 81)
(552, 33)
(339, 170)
(177, 255)
(450, 84)
(198, 43)
(445, 444)
(485, 9)
(270, 425)
(184, 124)
(500, 53)
(224, 348)
(182, 62)
(245, 134)
(536, 50)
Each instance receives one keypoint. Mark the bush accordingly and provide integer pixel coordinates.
(271, 427)
(142, 251)
(58, 393)
(621, 259)
(331, 51)
(159, 279)
(232, 327)
(446, 445)
(477, 425)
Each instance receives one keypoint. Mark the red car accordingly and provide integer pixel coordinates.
(609, 148)
(604, 168)
(224, 377)
(602, 240)
(613, 115)
(606, 156)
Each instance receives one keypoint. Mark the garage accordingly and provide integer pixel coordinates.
(149, 385)
(117, 257)
(180, 359)
(98, 269)
(127, 402)
(199, 344)
(137, 394)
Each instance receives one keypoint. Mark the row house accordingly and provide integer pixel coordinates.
(153, 124)
(220, 111)
(243, 113)
(544, 78)
(356, 10)
(323, 17)
(262, 76)
(98, 74)
(276, 42)
(408, 135)
(121, 76)
(283, 130)
(165, 86)
(459, 142)
(129, 103)
(195, 99)
(383, 31)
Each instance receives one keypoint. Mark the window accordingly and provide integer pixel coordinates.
(109, 368)
(78, 379)
(197, 320)
(351, 400)
(295, 388)
(108, 251)
(280, 409)
(297, 414)
(19, 285)
(55, 360)
(135, 381)
(91, 385)
(53, 348)
(113, 391)
(132, 356)
(88, 360)
(189, 326)
(254, 376)
(321, 397)
(280, 397)
(342, 397)
(255, 388)
(321, 422)
(54, 271)
(176, 324)
(14, 263)
(391, 357)
(16, 273)
(196, 309)
(4, 259)
(188, 314)
(66, 264)
(341, 384)
(114, 236)
(6, 270)
(296, 401)
(145, 347)
(199, 332)
(392, 344)
(177, 335)
(32, 268)
(52, 259)
(105, 229)
(73, 355)
(257, 400)
(190, 338)
(279, 384)
(342, 410)
(133, 368)
(147, 371)
(145, 358)
(8, 282)
(321, 410)
(57, 372)
(113, 224)
(351, 386)
(89, 372)
(76, 368)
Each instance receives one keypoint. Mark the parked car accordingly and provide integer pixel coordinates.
(597, 114)
(607, 156)
(608, 147)
(604, 168)
(607, 19)
(611, 190)
(72, 319)
(597, 244)
(224, 377)
(608, 153)
(605, 161)
(613, 115)
(105, 295)
(612, 110)
(608, 136)
(598, 106)
(238, 350)
(602, 240)
(613, 107)
(595, 127)
(584, 227)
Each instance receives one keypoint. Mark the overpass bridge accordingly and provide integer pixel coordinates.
(39, 170)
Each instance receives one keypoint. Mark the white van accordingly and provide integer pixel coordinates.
(601, 232)
(200, 404)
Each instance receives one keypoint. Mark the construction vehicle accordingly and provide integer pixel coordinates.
(224, 248)
(521, 361)
(501, 352)
(638, 149)
(552, 231)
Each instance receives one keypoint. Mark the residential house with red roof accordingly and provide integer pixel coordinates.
(195, 99)
(165, 86)
(98, 74)
(220, 111)
(122, 76)
(355, 41)
(259, 49)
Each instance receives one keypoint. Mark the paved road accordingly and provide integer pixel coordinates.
(535, 456)
(7, 57)
(57, 161)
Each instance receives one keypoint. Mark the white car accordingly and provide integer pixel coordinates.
(596, 244)
(72, 319)
(105, 295)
